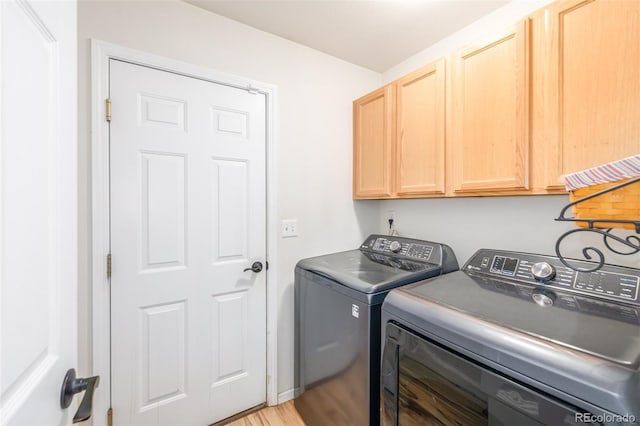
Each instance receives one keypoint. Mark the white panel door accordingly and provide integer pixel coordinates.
(187, 217)
(38, 221)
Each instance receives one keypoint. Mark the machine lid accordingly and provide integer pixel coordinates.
(601, 328)
(369, 272)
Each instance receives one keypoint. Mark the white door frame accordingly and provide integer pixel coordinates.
(101, 53)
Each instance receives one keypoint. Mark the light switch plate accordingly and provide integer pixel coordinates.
(289, 228)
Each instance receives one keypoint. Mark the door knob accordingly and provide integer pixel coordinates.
(72, 385)
(256, 267)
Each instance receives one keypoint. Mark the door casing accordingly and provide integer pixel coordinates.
(101, 53)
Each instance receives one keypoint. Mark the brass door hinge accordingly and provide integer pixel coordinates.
(109, 265)
(108, 109)
(110, 417)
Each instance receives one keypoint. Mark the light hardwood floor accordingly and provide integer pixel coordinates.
(280, 415)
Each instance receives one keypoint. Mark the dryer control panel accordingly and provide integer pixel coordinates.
(610, 282)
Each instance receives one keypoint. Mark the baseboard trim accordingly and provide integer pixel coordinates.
(286, 396)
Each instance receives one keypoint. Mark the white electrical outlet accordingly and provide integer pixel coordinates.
(391, 215)
(289, 228)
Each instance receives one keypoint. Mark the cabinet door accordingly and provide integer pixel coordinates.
(373, 131)
(490, 114)
(593, 96)
(420, 133)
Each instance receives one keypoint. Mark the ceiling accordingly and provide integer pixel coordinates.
(375, 34)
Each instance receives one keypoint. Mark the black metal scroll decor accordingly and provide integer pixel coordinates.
(627, 246)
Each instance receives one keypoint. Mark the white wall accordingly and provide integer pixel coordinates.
(523, 223)
(313, 113)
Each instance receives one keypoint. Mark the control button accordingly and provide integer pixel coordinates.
(395, 246)
(542, 271)
(544, 298)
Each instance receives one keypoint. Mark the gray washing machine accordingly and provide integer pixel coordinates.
(514, 339)
(338, 300)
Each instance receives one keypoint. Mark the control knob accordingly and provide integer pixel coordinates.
(395, 246)
(544, 298)
(542, 271)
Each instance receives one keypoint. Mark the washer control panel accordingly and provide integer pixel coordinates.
(414, 249)
(610, 282)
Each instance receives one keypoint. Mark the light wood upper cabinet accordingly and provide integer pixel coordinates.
(420, 134)
(592, 104)
(489, 126)
(557, 93)
(373, 133)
